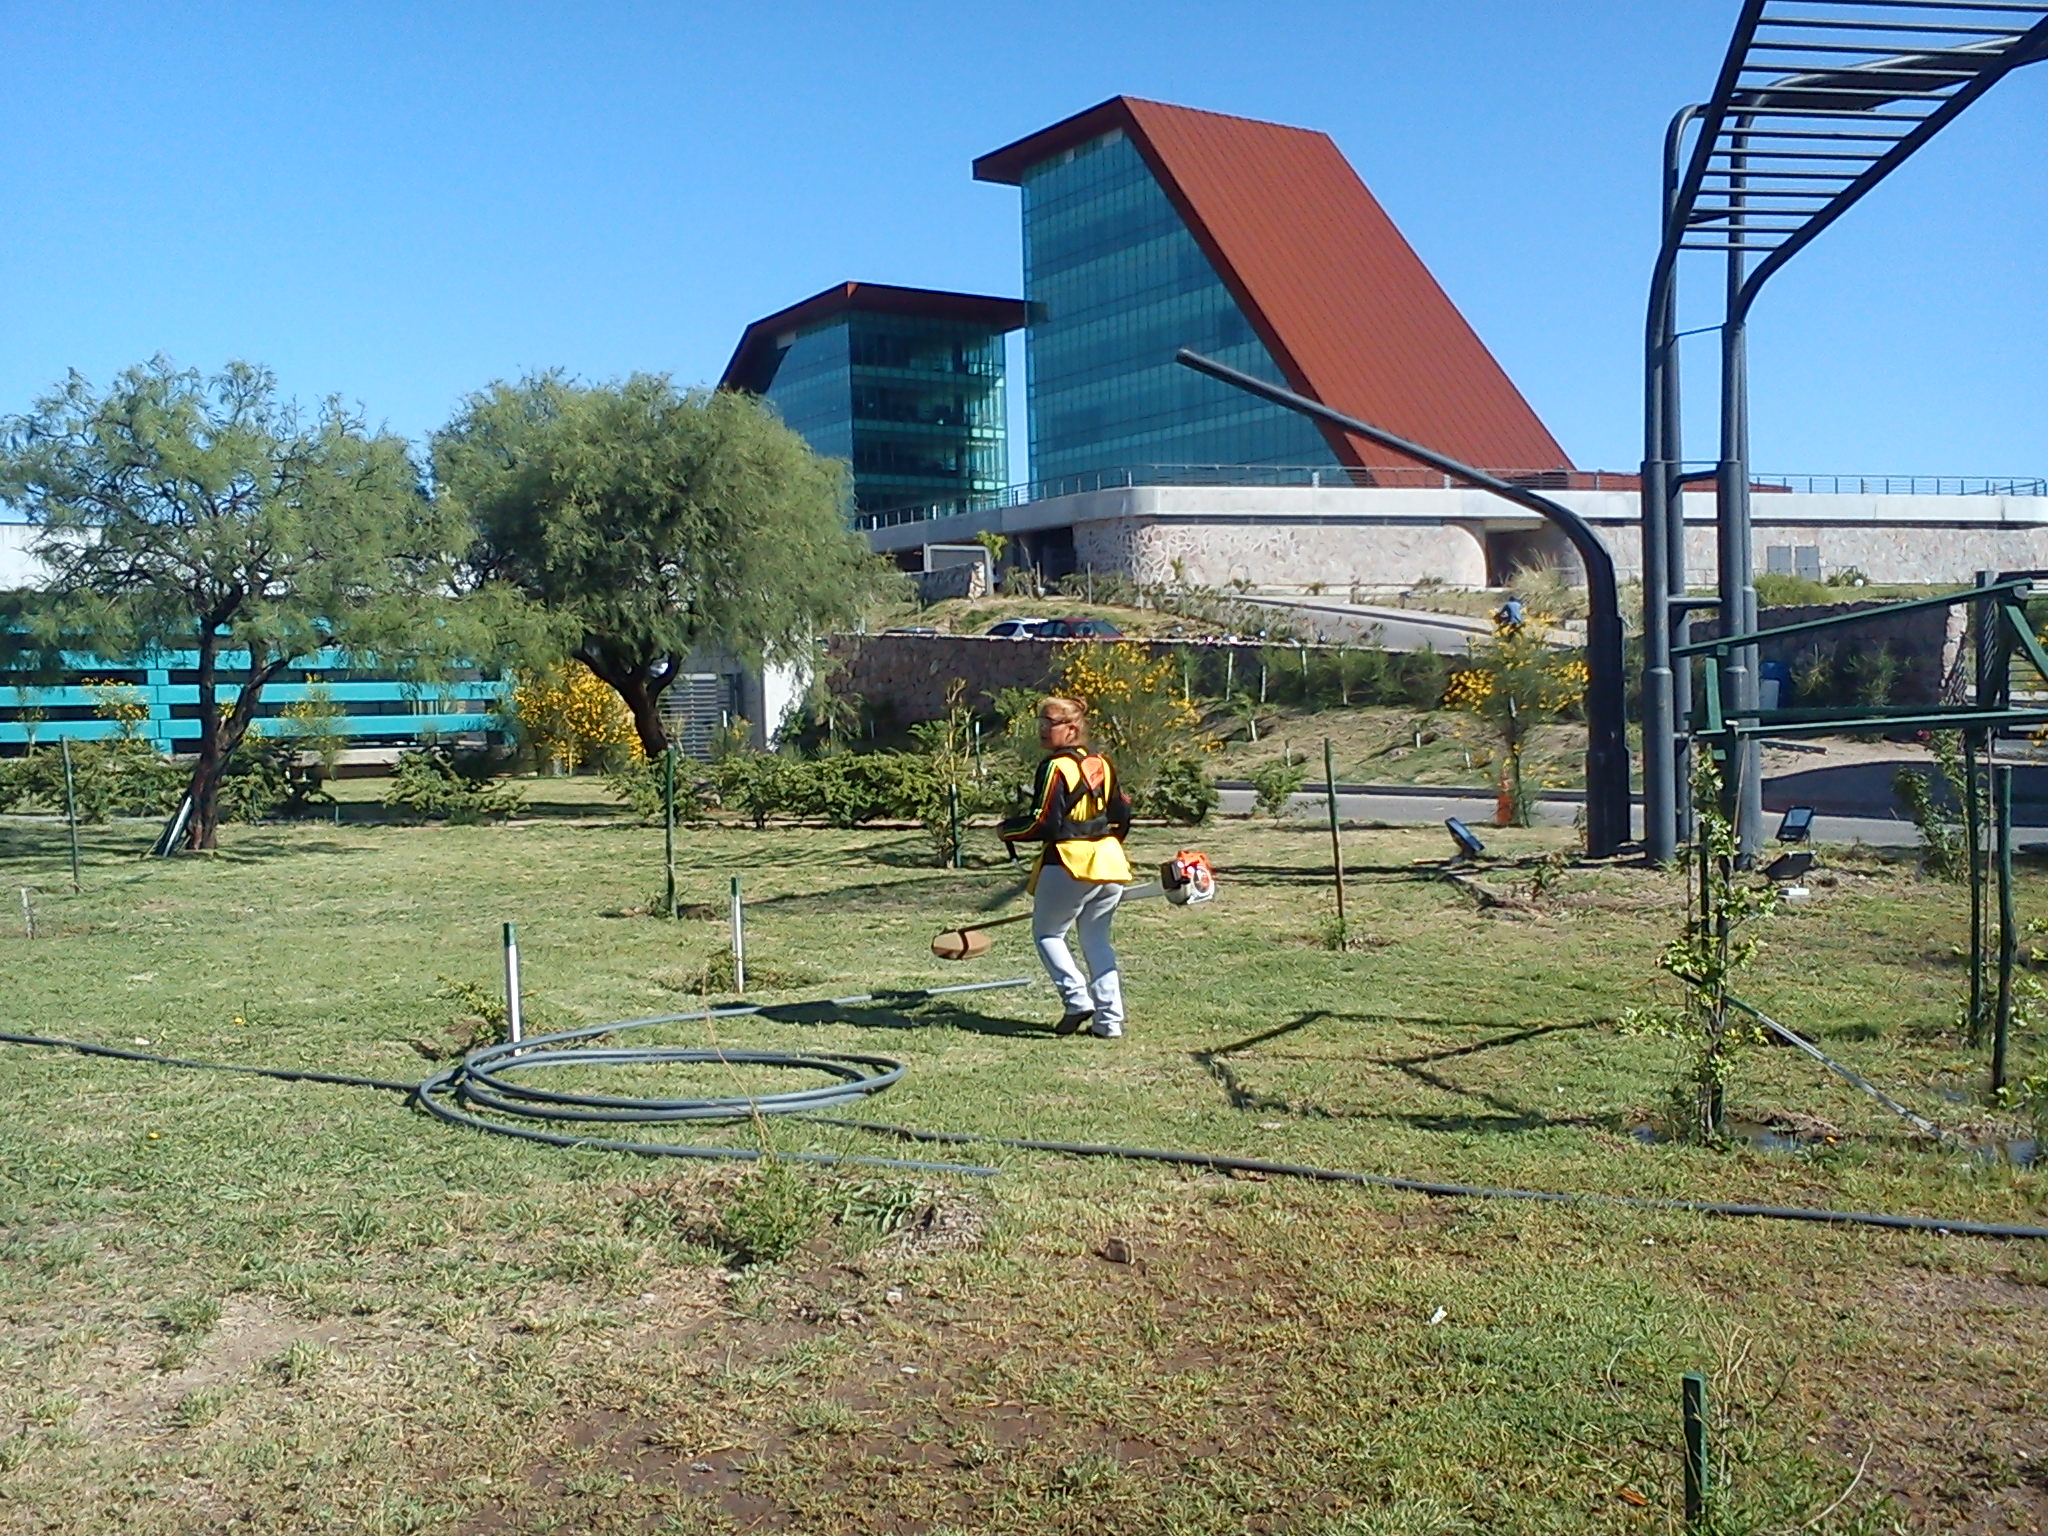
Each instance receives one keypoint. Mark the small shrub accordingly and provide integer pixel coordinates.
(1813, 676)
(639, 786)
(1777, 590)
(773, 1213)
(432, 782)
(119, 776)
(263, 778)
(1874, 674)
(1419, 678)
(852, 789)
(481, 1018)
(1944, 838)
(759, 785)
(189, 1315)
(572, 717)
(1136, 715)
(1275, 783)
(1183, 793)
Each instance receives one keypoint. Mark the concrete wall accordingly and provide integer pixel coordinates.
(1289, 536)
(910, 676)
(1283, 553)
(1884, 552)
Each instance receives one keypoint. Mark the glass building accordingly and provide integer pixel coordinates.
(1116, 282)
(904, 384)
(1150, 227)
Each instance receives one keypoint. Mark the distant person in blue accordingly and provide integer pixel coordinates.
(1510, 615)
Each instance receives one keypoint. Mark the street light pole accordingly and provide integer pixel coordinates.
(1607, 801)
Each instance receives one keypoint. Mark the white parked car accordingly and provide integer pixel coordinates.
(1015, 629)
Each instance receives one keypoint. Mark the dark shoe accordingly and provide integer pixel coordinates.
(1072, 1022)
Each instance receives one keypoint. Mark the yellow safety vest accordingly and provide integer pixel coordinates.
(1097, 859)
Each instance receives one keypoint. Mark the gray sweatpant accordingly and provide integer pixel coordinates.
(1063, 902)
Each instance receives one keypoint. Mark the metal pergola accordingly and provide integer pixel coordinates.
(1816, 103)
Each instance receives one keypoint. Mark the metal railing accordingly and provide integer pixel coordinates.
(372, 710)
(1419, 478)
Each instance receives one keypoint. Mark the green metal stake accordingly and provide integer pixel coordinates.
(1973, 832)
(668, 829)
(1336, 842)
(71, 811)
(1694, 1399)
(2008, 936)
(953, 819)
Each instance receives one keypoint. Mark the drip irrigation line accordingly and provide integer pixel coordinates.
(1792, 1037)
(1226, 1163)
(482, 1079)
(283, 1074)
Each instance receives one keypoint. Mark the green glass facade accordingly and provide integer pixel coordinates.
(1116, 285)
(914, 404)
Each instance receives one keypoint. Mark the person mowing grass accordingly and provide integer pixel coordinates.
(1082, 816)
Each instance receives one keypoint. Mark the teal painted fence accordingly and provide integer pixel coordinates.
(377, 711)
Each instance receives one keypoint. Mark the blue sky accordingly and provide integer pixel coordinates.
(401, 202)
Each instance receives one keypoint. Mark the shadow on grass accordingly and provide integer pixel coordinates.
(1506, 1116)
(916, 1015)
(946, 892)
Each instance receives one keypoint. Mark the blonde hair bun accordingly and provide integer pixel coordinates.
(1057, 711)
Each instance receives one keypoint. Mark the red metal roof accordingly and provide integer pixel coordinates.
(1341, 300)
(753, 360)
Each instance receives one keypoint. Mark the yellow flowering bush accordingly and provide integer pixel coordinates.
(122, 703)
(573, 717)
(1137, 714)
(1512, 682)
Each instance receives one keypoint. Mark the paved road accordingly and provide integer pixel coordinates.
(1390, 807)
(1397, 629)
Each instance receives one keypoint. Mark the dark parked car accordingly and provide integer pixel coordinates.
(1079, 629)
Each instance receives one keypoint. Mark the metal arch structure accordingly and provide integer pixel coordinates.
(1607, 800)
(1815, 104)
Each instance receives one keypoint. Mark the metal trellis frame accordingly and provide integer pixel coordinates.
(1816, 103)
(2001, 633)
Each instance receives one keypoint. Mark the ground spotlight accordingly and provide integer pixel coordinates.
(1797, 826)
(1786, 868)
(1469, 846)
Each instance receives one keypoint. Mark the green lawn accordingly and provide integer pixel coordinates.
(239, 1304)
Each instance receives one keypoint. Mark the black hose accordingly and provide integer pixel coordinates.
(445, 1094)
(483, 1081)
(1793, 1038)
(1225, 1163)
(284, 1074)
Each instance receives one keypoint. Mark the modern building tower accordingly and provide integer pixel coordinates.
(905, 384)
(1150, 227)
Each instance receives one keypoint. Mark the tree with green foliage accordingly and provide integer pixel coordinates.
(178, 512)
(650, 521)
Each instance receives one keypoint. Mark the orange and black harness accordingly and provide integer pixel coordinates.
(1082, 807)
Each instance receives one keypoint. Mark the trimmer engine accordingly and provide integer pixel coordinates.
(1187, 878)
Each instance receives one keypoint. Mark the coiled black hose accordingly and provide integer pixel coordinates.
(487, 1080)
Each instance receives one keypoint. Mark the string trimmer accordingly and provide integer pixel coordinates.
(1185, 880)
